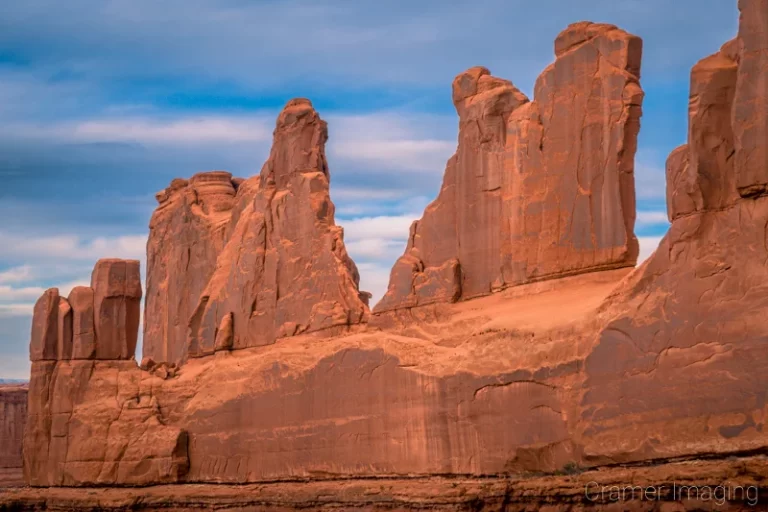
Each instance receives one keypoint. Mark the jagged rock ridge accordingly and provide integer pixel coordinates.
(536, 189)
(284, 270)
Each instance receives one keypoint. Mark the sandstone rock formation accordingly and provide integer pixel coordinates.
(700, 174)
(96, 322)
(284, 270)
(750, 103)
(659, 366)
(682, 356)
(13, 417)
(116, 286)
(186, 234)
(537, 189)
(82, 350)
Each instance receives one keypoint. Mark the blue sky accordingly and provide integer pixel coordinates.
(103, 102)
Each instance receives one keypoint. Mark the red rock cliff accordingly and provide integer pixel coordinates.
(536, 189)
(662, 363)
(284, 270)
(68, 441)
(187, 232)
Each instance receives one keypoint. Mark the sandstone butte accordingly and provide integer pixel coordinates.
(618, 375)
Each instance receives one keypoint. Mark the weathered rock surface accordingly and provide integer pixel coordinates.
(750, 108)
(284, 270)
(187, 232)
(682, 357)
(661, 364)
(700, 174)
(87, 426)
(537, 189)
(13, 418)
(116, 288)
(83, 329)
(44, 345)
(97, 423)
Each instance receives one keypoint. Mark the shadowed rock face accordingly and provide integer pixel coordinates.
(187, 232)
(536, 189)
(284, 270)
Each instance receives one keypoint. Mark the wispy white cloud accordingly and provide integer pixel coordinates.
(417, 155)
(650, 176)
(648, 244)
(69, 247)
(374, 278)
(150, 131)
(375, 243)
(17, 310)
(11, 294)
(651, 218)
(397, 140)
(381, 227)
(16, 274)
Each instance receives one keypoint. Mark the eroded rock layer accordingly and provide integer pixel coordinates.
(730, 485)
(536, 189)
(187, 232)
(284, 270)
(13, 418)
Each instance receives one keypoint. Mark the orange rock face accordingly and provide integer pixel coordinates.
(121, 438)
(284, 270)
(13, 417)
(536, 189)
(187, 232)
(750, 104)
(700, 174)
(116, 288)
(659, 364)
(682, 356)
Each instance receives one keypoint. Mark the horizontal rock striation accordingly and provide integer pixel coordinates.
(537, 189)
